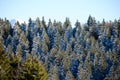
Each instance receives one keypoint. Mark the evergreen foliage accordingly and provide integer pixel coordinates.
(58, 51)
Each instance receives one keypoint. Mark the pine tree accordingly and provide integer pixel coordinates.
(38, 23)
(69, 76)
(67, 23)
(44, 23)
(4, 64)
(103, 22)
(90, 21)
(50, 23)
(78, 25)
(46, 42)
(33, 69)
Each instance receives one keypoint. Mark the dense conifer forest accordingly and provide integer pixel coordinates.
(58, 51)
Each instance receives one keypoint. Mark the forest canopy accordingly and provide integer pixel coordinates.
(58, 51)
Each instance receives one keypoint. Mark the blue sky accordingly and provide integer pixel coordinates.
(60, 9)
